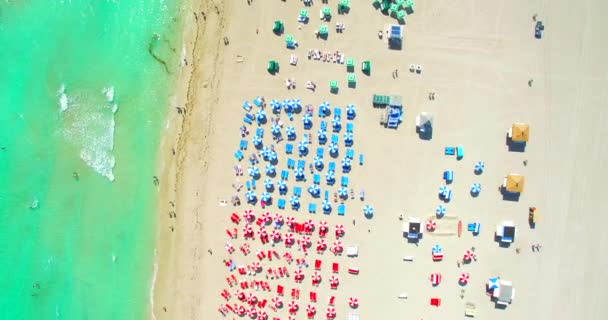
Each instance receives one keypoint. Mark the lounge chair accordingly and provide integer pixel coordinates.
(284, 174)
(344, 181)
(360, 159)
(301, 164)
(253, 184)
(435, 302)
(320, 152)
(247, 120)
(281, 203)
(450, 151)
(459, 152)
(469, 309)
(350, 153)
(238, 155)
(341, 209)
(448, 176)
(334, 138)
(326, 196)
(318, 264)
(316, 178)
(297, 191)
(280, 290)
(313, 296)
(312, 208)
(288, 148)
(323, 125)
(331, 166)
(349, 127)
(337, 112)
(248, 185)
(259, 132)
(474, 227)
(335, 267)
(290, 163)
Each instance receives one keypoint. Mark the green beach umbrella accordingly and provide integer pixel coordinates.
(351, 78)
(303, 13)
(366, 66)
(350, 64)
(393, 8)
(399, 2)
(345, 3)
(326, 11)
(288, 38)
(323, 29)
(401, 15)
(333, 84)
(409, 3)
(278, 26)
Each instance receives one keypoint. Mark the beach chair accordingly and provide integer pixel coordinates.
(238, 155)
(312, 208)
(448, 176)
(253, 184)
(243, 144)
(323, 125)
(280, 290)
(248, 185)
(260, 132)
(331, 166)
(291, 163)
(332, 300)
(341, 209)
(247, 120)
(301, 164)
(344, 181)
(469, 309)
(297, 191)
(288, 148)
(326, 196)
(450, 151)
(290, 116)
(313, 296)
(474, 227)
(316, 178)
(320, 152)
(349, 127)
(334, 138)
(335, 267)
(281, 203)
(447, 196)
(337, 112)
(459, 152)
(360, 159)
(350, 153)
(318, 264)
(436, 302)
(284, 174)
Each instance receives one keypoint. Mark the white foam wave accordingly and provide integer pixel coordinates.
(109, 93)
(63, 98)
(153, 285)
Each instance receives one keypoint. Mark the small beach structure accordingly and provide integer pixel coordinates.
(278, 27)
(513, 183)
(502, 291)
(412, 229)
(393, 115)
(273, 67)
(424, 123)
(519, 132)
(366, 67)
(506, 232)
(395, 36)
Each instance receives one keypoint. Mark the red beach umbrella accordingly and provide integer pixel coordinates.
(249, 216)
(464, 278)
(306, 241)
(248, 231)
(353, 302)
(315, 277)
(240, 310)
(298, 275)
(431, 225)
(252, 313)
(262, 315)
(289, 239)
(266, 217)
(277, 302)
(293, 307)
(290, 221)
(321, 245)
(240, 295)
(331, 313)
(323, 226)
(251, 298)
(334, 281)
(435, 278)
(311, 310)
(275, 235)
(278, 218)
(255, 266)
(309, 226)
(337, 247)
(468, 256)
(339, 230)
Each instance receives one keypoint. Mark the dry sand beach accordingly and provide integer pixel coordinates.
(477, 56)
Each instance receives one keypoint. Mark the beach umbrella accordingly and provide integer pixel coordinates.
(297, 104)
(303, 13)
(298, 274)
(440, 211)
(348, 137)
(240, 295)
(334, 281)
(436, 249)
(293, 306)
(270, 169)
(262, 315)
(318, 162)
(277, 302)
(314, 190)
(253, 171)
(268, 184)
(310, 310)
(350, 111)
(336, 123)
(290, 221)
(409, 3)
(252, 298)
(288, 38)
(256, 266)
(345, 164)
(330, 313)
(343, 192)
(468, 256)
(287, 105)
(289, 239)
(368, 211)
(256, 140)
(309, 226)
(262, 233)
(322, 136)
(443, 190)
(307, 120)
(275, 105)
(435, 278)
(475, 188)
(337, 247)
(250, 196)
(272, 156)
(493, 283)
(275, 235)
(330, 176)
(333, 148)
(266, 218)
(240, 310)
(431, 225)
(290, 131)
(306, 241)
(339, 228)
(282, 185)
(303, 147)
(278, 218)
(275, 129)
(464, 278)
(291, 104)
(248, 215)
(324, 108)
(326, 205)
(323, 226)
(248, 231)
(265, 152)
(315, 277)
(294, 201)
(260, 115)
(299, 173)
(353, 302)
(321, 245)
(479, 166)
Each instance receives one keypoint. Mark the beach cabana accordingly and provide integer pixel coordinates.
(326, 13)
(519, 132)
(352, 80)
(366, 67)
(513, 183)
(278, 27)
(350, 65)
(506, 232)
(503, 292)
(412, 229)
(424, 123)
(333, 86)
(395, 37)
(401, 16)
(273, 67)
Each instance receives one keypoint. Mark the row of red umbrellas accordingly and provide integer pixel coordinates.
(290, 221)
(436, 278)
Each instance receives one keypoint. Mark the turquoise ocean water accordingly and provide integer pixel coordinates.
(80, 92)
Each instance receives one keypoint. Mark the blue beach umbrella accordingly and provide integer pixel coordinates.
(290, 131)
(330, 176)
(265, 196)
(479, 166)
(333, 148)
(314, 190)
(275, 105)
(368, 211)
(272, 156)
(348, 137)
(307, 119)
(343, 192)
(282, 185)
(253, 171)
(326, 205)
(275, 129)
(265, 152)
(336, 124)
(436, 249)
(322, 136)
(287, 105)
(260, 115)
(250, 196)
(257, 140)
(270, 169)
(294, 201)
(475, 188)
(268, 184)
(299, 173)
(350, 111)
(345, 164)
(318, 162)
(493, 283)
(440, 211)
(324, 108)
(297, 104)
(443, 190)
(303, 147)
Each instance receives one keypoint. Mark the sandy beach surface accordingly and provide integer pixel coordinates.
(477, 56)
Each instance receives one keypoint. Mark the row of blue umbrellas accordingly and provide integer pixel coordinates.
(289, 105)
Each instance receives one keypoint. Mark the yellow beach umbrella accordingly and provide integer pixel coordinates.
(520, 132)
(514, 183)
